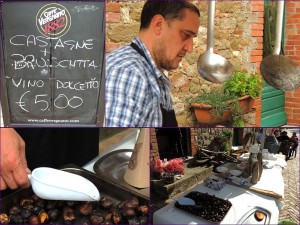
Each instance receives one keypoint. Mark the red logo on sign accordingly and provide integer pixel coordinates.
(53, 20)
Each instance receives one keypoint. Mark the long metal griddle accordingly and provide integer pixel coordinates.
(106, 188)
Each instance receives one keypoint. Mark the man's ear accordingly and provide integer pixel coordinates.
(157, 24)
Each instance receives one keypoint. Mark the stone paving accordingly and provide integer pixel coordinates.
(290, 210)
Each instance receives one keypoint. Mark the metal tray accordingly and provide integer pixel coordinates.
(249, 217)
(112, 167)
(106, 188)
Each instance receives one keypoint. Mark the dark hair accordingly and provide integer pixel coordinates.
(169, 9)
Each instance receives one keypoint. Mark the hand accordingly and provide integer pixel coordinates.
(14, 168)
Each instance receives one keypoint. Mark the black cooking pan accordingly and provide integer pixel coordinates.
(279, 71)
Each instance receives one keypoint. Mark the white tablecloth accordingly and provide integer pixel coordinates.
(271, 179)
(242, 202)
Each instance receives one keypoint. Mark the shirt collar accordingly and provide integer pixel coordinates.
(143, 47)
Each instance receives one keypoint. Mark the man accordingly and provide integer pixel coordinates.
(294, 139)
(14, 167)
(137, 91)
(283, 137)
(285, 144)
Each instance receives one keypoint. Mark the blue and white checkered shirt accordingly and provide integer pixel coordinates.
(135, 89)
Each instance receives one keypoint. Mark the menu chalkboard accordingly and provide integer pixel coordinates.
(52, 62)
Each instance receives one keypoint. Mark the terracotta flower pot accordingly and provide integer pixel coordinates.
(204, 114)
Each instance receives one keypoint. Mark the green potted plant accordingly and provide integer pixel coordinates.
(229, 103)
(243, 84)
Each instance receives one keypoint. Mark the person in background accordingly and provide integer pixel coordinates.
(259, 136)
(137, 91)
(276, 133)
(295, 143)
(283, 137)
(285, 144)
(24, 149)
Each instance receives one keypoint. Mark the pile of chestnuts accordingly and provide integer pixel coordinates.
(207, 206)
(34, 210)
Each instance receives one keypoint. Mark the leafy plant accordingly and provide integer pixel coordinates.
(241, 84)
(218, 99)
(227, 133)
(214, 97)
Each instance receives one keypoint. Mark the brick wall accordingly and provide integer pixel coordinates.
(257, 53)
(193, 141)
(154, 153)
(292, 50)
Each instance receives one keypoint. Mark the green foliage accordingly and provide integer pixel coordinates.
(214, 98)
(225, 148)
(227, 133)
(218, 99)
(242, 83)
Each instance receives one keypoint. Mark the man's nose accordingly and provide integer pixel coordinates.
(188, 46)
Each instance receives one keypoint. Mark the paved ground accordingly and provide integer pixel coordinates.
(290, 211)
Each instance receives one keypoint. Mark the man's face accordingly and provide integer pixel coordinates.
(176, 39)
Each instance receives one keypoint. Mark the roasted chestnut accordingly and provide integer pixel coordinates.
(116, 217)
(33, 219)
(53, 214)
(28, 207)
(43, 217)
(96, 218)
(26, 201)
(259, 215)
(132, 203)
(105, 202)
(143, 210)
(143, 220)
(15, 210)
(83, 220)
(132, 220)
(4, 218)
(86, 208)
(121, 205)
(108, 218)
(128, 212)
(25, 214)
(68, 215)
(16, 219)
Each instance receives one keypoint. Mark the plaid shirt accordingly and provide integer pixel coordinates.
(135, 89)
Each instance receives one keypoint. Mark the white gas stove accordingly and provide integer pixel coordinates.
(244, 203)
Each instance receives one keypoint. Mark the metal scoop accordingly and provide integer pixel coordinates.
(53, 184)
(213, 67)
(279, 71)
(186, 201)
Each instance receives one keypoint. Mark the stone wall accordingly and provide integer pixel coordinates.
(238, 37)
(292, 50)
(204, 138)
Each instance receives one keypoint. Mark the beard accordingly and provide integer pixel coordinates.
(160, 57)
